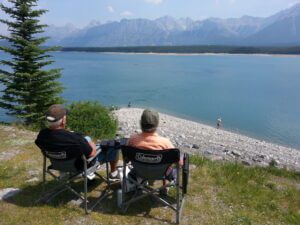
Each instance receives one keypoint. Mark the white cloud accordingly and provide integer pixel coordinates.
(110, 9)
(155, 2)
(126, 13)
(4, 2)
(294, 2)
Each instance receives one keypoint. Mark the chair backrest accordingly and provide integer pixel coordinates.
(150, 164)
(61, 160)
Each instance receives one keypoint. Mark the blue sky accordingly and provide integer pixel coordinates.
(81, 12)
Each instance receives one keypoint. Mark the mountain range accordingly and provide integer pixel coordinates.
(281, 29)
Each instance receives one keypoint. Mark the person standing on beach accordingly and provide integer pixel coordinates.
(219, 122)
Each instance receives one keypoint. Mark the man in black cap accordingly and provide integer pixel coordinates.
(57, 138)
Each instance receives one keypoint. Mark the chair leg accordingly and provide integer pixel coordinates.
(177, 195)
(85, 188)
(44, 173)
(124, 182)
(107, 175)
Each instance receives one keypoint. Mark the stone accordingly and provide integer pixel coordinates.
(182, 136)
(247, 163)
(187, 146)
(195, 146)
(77, 202)
(274, 162)
(236, 153)
(33, 172)
(34, 179)
(192, 166)
(216, 158)
(207, 152)
(8, 193)
(257, 159)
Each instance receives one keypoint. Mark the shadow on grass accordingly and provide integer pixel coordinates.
(30, 194)
(141, 208)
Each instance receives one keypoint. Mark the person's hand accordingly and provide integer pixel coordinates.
(181, 162)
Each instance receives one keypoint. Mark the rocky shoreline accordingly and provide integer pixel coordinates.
(213, 143)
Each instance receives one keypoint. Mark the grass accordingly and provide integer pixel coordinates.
(219, 193)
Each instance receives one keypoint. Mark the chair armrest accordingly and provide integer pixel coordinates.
(93, 157)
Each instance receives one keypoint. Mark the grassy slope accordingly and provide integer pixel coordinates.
(218, 193)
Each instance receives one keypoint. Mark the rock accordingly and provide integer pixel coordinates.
(192, 166)
(247, 163)
(257, 159)
(195, 146)
(186, 145)
(32, 180)
(274, 162)
(77, 202)
(8, 193)
(236, 153)
(207, 152)
(216, 158)
(182, 136)
(33, 172)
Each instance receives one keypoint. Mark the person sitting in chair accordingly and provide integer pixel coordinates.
(57, 138)
(148, 139)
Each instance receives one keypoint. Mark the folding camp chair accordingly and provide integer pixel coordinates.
(151, 165)
(67, 167)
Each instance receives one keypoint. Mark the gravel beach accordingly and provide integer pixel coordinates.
(217, 144)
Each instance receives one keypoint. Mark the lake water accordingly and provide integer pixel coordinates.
(255, 95)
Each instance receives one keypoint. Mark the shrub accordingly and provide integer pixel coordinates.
(91, 118)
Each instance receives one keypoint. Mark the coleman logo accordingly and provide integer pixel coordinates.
(148, 158)
(56, 155)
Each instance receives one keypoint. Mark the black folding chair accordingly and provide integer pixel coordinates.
(60, 162)
(151, 165)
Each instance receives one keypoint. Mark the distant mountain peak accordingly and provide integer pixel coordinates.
(282, 27)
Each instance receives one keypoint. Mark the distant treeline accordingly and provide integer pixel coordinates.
(190, 49)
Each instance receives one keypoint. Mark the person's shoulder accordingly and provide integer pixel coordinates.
(133, 139)
(43, 132)
(135, 136)
(165, 141)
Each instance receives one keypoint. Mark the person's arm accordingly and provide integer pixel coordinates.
(92, 145)
(170, 145)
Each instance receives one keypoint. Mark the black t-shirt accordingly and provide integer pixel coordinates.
(56, 141)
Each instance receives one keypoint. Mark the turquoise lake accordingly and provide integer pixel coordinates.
(254, 95)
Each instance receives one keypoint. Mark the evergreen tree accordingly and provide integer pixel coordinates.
(29, 89)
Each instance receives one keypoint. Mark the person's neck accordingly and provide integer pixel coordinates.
(58, 128)
(149, 133)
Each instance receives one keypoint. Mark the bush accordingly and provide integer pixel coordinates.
(91, 118)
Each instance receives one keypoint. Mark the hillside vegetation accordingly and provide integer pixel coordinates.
(219, 193)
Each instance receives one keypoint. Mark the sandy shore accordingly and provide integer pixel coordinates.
(216, 144)
(202, 54)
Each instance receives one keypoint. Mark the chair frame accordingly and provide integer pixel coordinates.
(67, 184)
(143, 190)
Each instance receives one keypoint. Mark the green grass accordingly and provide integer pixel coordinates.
(219, 193)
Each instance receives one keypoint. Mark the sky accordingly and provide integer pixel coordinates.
(81, 12)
